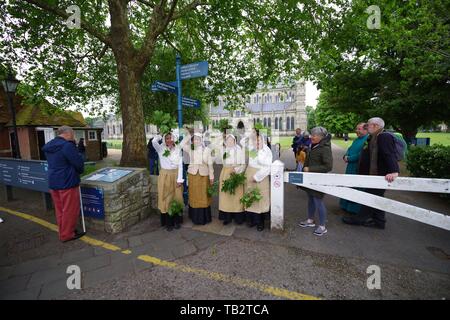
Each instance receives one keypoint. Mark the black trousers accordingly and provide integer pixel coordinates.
(368, 212)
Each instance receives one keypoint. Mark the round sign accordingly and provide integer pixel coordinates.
(277, 184)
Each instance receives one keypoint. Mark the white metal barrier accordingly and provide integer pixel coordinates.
(339, 185)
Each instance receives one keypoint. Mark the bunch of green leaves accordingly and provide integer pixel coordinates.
(235, 180)
(253, 153)
(176, 208)
(251, 197)
(166, 153)
(213, 190)
(262, 129)
(164, 121)
(225, 155)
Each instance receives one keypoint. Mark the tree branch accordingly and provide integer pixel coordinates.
(192, 6)
(42, 4)
(148, 3)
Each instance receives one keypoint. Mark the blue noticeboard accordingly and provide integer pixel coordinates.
(194, 70)
(92, 201)
(421, 141)
(28, 174)
(295, 177)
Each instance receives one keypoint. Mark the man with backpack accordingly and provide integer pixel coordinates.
(380, 157)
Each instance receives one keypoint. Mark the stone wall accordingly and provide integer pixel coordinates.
(126, 201)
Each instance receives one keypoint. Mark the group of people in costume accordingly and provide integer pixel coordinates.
(250, 155)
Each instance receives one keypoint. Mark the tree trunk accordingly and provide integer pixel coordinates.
(134, 141)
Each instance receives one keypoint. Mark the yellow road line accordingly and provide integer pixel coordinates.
(241, 282)
(277, 292)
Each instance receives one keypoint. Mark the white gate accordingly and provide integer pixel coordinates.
(339, 185)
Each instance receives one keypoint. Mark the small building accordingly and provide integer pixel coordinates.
(37, 124)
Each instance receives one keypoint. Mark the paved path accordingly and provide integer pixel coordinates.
(147, 262)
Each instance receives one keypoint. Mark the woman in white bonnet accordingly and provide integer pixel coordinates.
(233, 159)
(200, 177)
(257, 173)
(170, 179)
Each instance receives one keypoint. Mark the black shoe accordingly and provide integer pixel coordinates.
(251, 225)
(169, 228)
(77, 235)
(163, 220)
(178, 221)
(352, 220)
(225, 222)
(260, 227)
(370, 223)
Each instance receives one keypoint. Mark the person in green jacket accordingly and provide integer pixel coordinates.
(318, 159)
(351, 157)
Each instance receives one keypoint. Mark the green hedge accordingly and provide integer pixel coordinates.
(429, 162)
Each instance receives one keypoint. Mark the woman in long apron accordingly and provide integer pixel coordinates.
(200, 177)
(170, 179)
(257, 174)
(233, 159)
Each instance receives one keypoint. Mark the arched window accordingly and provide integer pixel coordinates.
(258, 120)
(281, 123)
(269, 124)
(288, 123)
(265, 122)
(292, 123)
(276, 123)
(254, 121)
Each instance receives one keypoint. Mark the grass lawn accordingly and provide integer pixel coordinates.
(114, 144)
(436, 138)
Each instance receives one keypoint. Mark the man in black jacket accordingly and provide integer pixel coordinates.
(378, 157)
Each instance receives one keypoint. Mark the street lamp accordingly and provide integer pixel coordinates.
(10, 85)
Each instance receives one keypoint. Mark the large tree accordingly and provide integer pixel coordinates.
(245, 41)
(399, 71)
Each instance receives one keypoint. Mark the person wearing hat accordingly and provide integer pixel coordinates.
(233, 160)
(200, 177)
(170, 179)
(257, 175)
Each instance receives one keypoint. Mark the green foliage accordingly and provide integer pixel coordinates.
(88, 169)
(334, 120)
(166, 153)
(223, 125)
(213, 190)
(235, 180)
(251, 197)
(175, 208)
(252, 153)
(265, 130)
(429, 161)
(398, 72)
(310, 118)
(164, 121)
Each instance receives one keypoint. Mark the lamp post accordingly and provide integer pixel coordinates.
(10, 85)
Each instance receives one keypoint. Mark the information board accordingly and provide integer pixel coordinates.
(92, 202)
(29, 174)
(109, 175)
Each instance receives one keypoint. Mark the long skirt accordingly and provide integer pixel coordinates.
(260, 210)
(199, 202)
(230, 206)
(168, 189)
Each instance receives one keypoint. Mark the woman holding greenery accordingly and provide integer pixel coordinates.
(257, 179)
(170, 179)
(231, 182)
(200, 177)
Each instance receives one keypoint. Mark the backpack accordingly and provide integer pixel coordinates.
(400, 146)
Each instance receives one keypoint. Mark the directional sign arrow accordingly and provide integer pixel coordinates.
(163, 86)
(189, 102)
(194, 70)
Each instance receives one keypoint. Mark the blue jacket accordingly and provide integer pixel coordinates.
(64, 164)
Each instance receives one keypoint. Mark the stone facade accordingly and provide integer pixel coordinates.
(280, 107)
(112, 128)
(126, 201)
